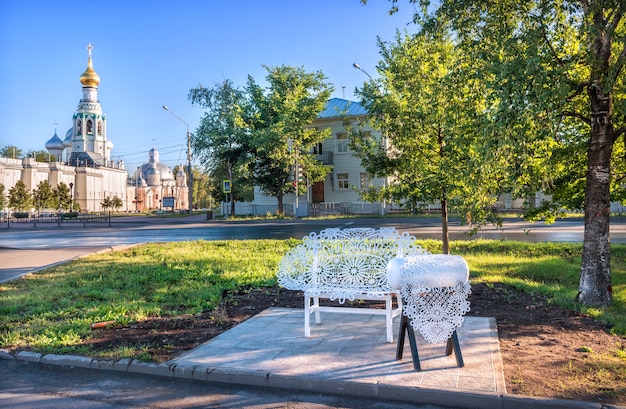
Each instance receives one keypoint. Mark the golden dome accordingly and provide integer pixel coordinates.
(89, 78)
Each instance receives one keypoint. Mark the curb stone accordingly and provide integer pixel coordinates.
(149, 368)
(66, 360)
(121, 365)
(28, 356)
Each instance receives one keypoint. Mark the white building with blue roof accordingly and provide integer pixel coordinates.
(339, 192)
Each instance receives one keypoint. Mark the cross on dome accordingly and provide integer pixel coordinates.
(89, 77)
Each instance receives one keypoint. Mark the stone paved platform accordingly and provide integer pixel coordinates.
(349, 353)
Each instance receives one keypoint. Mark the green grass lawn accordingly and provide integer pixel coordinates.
(51, 311)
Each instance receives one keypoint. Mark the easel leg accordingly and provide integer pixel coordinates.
(453, 342)
(401, 335)
(405, 328)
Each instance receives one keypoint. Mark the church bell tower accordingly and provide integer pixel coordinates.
(89, 146)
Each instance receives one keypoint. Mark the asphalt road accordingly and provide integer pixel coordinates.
(131, 230)
(35, 386)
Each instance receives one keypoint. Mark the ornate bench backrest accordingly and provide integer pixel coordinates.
(345, 262)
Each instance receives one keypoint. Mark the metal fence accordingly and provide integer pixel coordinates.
(29, 218)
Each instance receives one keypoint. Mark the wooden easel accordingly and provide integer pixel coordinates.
(405, 328)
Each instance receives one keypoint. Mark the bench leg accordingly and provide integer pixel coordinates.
(316, 309)
(405, 328)
(389, 318)
(308, 309)
(307, 316)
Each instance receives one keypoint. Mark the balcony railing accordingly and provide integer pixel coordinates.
(326, 158)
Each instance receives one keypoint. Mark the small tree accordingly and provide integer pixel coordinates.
(41, 156)
(61, 196)
(3, 199)
(106, 203)
(11, 151)
(43, 196)
(19, 198)
(116, 203)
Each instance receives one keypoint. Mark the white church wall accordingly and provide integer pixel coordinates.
(10, 172)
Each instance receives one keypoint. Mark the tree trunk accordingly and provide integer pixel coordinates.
(279, 211)
(595, 273)
(445, 239)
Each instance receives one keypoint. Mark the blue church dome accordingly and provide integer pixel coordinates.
(55, 143)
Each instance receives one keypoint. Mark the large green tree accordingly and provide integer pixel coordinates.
(280, 127)
(222, 138)
(558, 67)
(425, 103)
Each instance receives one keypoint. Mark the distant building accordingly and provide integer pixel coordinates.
(153, 183)
(83, 160)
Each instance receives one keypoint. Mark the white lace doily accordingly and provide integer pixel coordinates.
(435, 311)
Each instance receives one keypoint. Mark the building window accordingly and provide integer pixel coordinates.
(317, 149)
(342, 142)
(342, 181)
(365, 180)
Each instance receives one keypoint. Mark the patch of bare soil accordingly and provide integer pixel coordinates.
(546, 351)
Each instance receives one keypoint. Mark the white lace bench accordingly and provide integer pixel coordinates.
(434, 288)
(346, 264)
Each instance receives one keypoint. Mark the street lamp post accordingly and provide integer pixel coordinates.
(358, 67)
(188, 158)
(71, 197)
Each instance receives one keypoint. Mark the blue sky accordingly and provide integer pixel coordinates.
(151, 53)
